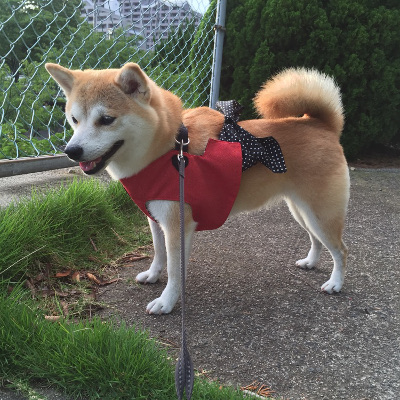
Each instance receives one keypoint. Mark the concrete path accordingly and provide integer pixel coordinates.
(254, 316)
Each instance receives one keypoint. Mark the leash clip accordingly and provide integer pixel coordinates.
(182, 145)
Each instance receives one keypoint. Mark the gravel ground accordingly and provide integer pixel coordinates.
(252, 315)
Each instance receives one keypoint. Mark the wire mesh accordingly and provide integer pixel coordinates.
(171, 40)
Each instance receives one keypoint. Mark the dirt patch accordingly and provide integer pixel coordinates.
(254, 316)
(380, 157)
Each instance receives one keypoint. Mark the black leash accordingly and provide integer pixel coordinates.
(184, 375)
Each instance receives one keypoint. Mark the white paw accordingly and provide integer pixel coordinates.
(333, 285)
(306, 263)
(148, 276)
(160, 306)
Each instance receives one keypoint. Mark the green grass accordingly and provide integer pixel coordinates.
(87, 359)
(69, 227)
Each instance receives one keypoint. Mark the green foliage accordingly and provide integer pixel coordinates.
(178, 82)
(356, 42)
(174, 51)
(89, 49)
(30, 114)
(22, 146)
(186, 55)
(31, 122)
(31, 27)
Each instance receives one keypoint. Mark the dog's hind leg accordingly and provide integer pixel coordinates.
(339, 255)
(160, 255)
(327, 229)
(316, 246)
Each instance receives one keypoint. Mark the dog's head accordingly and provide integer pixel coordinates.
(113, 114)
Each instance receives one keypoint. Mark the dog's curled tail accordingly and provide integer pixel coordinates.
(298, 91)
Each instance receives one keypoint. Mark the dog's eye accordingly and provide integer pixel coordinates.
(106, 120)
(74, 120)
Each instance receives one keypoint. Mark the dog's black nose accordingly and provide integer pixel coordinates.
(74, 152)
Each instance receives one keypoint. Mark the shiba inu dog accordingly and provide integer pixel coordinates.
(124, 122)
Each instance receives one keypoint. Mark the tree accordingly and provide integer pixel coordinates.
(356, 42)
(90, 49)
(175, 49)
(30, 27)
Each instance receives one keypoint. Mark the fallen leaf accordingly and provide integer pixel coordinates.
(63, 274)
(93, 278)
(103, 283)
(258, 389)
(52, 318)
(132, 257)
(128, 265)
(76, 277)
(137, 258)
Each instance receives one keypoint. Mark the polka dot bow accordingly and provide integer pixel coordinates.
(264, 150)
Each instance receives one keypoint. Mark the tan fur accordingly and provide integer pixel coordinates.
(300, 108)
(295, 92)
(317, 168)
(101, 86)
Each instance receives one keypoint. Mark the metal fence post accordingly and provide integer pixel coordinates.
(217, 54)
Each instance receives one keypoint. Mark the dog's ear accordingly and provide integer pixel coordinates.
(63, 76)
(133, 81)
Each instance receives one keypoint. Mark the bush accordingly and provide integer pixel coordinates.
(32, 122)
(356, 42)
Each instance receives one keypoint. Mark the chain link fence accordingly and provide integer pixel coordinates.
(171, 40)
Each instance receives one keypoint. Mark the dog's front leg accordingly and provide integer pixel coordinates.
(167, 215)
(160, 255)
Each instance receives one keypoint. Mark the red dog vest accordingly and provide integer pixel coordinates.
(212, 182)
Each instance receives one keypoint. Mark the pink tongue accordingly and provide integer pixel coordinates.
(89, 165)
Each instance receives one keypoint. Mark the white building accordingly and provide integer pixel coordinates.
(149, 19)
(105, 16)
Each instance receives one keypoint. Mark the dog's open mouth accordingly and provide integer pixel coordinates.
(91, 167)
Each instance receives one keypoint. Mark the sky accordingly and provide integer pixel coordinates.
(197, 5)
